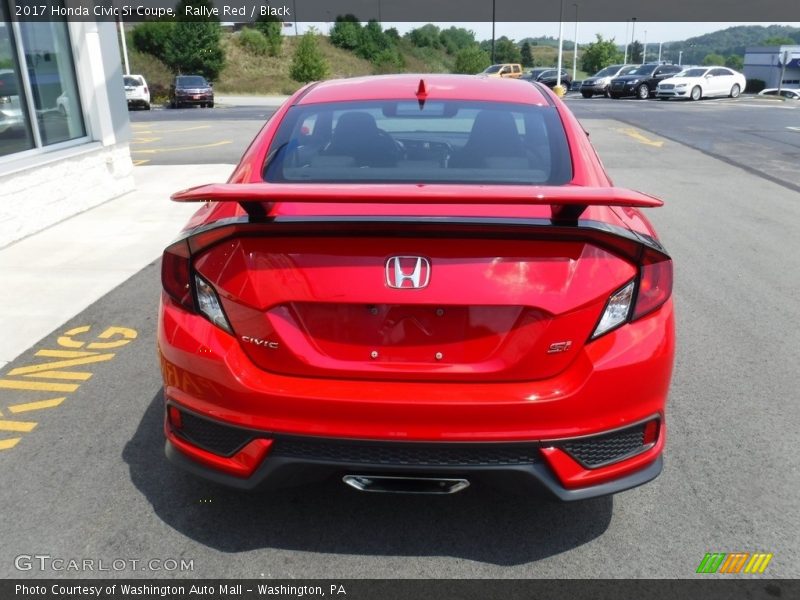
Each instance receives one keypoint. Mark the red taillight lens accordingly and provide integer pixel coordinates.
(650, 432)
(175, 274)
(145, 89)
(655, 285)
(175, 418)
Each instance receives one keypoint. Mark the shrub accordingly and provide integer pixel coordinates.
(253, 41)
(271, 27)
(471, 60)
(153, 37)
(308, 63)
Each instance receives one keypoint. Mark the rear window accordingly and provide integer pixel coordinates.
(132, 81)
(401, 142)
(192, 81)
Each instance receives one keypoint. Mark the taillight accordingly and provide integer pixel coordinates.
(655, 285)
(654, 288)
(145, 89)
(175, 274)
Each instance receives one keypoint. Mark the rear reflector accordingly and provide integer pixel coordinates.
(175, 274)
(655, 285)
(174, 417)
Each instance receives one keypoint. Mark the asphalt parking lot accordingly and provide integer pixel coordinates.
(87, 477)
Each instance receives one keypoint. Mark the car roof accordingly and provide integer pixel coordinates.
(437, 87)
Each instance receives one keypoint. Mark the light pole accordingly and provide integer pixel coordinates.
(633, 35)
(124, 44)
(625, 60)
(575, 47)
(659, 51)
(493, 2)
(644, 51)
(680, 56)
(560, 43)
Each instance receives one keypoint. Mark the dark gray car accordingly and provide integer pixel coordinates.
(597, 84)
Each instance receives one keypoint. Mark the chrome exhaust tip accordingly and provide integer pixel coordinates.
(405, 485)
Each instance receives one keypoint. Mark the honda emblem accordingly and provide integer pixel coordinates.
(408, 272)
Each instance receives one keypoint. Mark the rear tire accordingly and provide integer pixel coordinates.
(614, 96)
(735, 91)
(587, 94)
(210, 105)
(696, 93)
(643, 92)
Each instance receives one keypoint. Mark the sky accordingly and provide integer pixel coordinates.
(656, 32)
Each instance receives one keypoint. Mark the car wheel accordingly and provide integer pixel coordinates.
(210, 105)
(697, 93)
(614, 96)
(587, 94)
(643, 92)
(735, 90)
(147, 106)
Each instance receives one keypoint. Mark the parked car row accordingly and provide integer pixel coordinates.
(184, 89)
(663, 81)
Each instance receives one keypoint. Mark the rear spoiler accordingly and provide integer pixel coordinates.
(567, 202)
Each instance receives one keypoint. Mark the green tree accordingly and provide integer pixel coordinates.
(635, 52)
(506, 51)
(345, 32)
(372, 41)
(526, 55)
(734, 61)
(471, 60)
(713, 59)
(153, 37)
(271, 27)
(426, 36)
(600, 54)
(308, 64)
(778, 40)
(194, 46)
(456, 38)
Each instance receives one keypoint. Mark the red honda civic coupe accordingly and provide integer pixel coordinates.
(414, 283)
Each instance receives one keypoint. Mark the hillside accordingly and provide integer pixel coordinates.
(726, 42)
(246, 73)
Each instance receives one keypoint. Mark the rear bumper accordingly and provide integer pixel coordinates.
(614, 382)
(537, 478)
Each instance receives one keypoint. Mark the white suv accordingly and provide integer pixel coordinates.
(136, 91)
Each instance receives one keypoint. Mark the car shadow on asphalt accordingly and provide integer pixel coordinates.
(480, 523)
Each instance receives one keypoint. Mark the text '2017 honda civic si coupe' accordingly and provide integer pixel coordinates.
(412, 284)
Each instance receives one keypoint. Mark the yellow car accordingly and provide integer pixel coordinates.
(504, 70)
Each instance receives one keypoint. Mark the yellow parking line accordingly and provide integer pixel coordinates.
(8, 444)
(140, 161)
(21, 426)
(179, 130)
(144, 140)
(73, 375)
(65, 353)
(40, 386)
(41, 404)
(180, 148)
(639, 137)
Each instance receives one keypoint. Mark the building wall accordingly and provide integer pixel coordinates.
(41, 187)
(764, 63)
